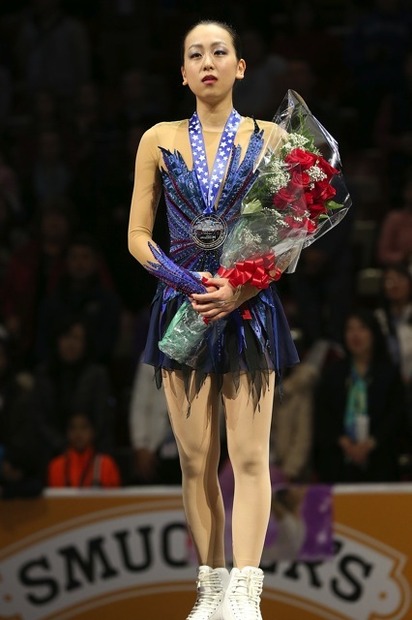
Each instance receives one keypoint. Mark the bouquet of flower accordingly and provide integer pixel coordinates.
(298, 195)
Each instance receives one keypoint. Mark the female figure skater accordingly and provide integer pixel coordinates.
(202, 164)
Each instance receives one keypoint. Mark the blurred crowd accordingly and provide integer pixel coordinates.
(79, 84)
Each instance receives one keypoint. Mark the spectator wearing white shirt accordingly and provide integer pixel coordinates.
(156, 459)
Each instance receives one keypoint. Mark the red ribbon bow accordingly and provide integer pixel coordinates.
(259, 272)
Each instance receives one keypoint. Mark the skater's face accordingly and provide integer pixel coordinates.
(210, 63)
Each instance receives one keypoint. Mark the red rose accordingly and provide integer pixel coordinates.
(294, 222)
(311, 226)
(300, 206)
(301, 157)
(317, 209)
(325, 166)
(304, 223)
(283, 198)
(323, 191)
(309, 197)
(300, 179)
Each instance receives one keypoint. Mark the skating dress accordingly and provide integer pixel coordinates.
(164, 162)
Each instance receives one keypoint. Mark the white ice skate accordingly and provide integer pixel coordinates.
(211, 587)
(242, 598)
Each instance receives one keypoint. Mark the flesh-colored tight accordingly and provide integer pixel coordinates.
(198, 441)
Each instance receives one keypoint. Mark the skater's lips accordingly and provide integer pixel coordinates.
(209, 78)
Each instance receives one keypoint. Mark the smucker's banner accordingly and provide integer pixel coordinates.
(85, 555)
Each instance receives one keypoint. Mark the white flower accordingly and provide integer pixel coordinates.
(295, 141)
(278, 176)
(316, 173)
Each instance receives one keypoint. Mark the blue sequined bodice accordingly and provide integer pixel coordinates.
(184, 201)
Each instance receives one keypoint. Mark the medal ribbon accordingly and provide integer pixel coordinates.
(210, 184)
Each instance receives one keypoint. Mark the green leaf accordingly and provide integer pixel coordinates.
(252, 207)
(333, 205)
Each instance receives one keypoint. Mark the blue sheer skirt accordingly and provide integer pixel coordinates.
(258, 345)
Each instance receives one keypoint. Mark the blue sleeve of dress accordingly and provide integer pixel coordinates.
(173, 275)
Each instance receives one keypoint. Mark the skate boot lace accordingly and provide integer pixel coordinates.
(245, 597)
(209, 595)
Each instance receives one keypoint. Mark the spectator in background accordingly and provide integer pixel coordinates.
(122, 30)
(52, 50)
(155, 452)
(32, 272)
(81, 465)
(359, 407)
(292, 427)
(103, 165)
(44, 112)
(301, 76)
(291, 438)
(12, 233)
(262, 89)
(86, 123)
(143, 95)
(393, 133)
(94, 147)
(18, 479)
(322, 284)
(365, 176)
(70, 382)
(6, 89)
(42, 122)
(20, 475)
(375, 52)
(304, 35)
(10, 187)
(135, 289)
(84, 290)
(40, 116)
(394, 313)
(394, 242)
(51, 175)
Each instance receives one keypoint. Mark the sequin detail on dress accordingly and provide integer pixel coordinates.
(184, 201)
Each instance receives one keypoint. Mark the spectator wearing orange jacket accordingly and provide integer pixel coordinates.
(81, 466)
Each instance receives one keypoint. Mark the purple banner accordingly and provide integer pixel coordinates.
(301, 521)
